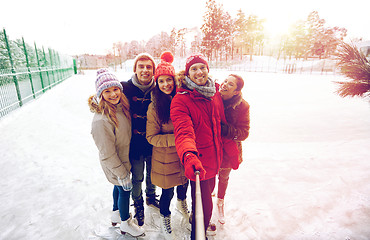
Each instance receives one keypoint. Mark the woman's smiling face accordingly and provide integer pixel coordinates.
(112, 95)
(166, 83)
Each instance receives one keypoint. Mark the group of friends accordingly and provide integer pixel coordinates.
(165, 126)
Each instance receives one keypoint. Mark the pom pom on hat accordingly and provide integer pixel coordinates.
(167, 57)
(106, 80)
(193, 59)
(165, 67)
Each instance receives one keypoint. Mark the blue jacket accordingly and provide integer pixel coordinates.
(139, 102)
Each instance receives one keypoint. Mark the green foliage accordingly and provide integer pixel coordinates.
(4, 58)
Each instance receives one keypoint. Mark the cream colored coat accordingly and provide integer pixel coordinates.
(113, 144)
(167, 170)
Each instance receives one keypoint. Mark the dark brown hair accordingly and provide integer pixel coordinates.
(239, 82)
(162, 102)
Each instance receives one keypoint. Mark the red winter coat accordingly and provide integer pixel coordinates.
(197, 129)
(238, 124)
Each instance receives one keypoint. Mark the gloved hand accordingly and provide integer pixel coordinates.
(126, 183)
(191, 164)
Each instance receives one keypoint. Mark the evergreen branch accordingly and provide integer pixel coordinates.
(354, 65)
(352, 89)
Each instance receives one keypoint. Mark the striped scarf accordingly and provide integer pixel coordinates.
(208, 90)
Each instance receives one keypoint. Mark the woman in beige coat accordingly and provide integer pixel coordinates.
(167, 170)
(111, 131)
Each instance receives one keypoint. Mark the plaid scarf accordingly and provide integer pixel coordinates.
(208, 90)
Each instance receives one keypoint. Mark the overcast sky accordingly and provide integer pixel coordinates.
(82, 26)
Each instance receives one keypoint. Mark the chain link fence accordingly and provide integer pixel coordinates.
(27, 72)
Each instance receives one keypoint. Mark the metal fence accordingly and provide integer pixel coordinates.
(272, 64)
(27, 72)
(266, 64)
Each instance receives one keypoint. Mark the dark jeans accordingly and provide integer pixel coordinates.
(206, 188)
(137, 169)
(121, 202)
(167, 195)
(223, 181)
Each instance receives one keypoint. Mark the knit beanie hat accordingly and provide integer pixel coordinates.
(165, 67)
(106, 80)
(144, 56)
(101, 70)
(193, 59)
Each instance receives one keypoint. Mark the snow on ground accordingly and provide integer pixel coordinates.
(306, 173)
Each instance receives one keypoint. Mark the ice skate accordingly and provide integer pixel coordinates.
(115, 218)
(151, 200)
(182, 207)
(220, 209)
(211, 230)
(129, 226)
(166, 227)
(139, 211)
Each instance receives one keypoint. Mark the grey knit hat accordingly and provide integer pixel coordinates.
(101, 70)
(106, 80)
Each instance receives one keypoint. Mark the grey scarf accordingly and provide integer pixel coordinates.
(208, 90)
(144, 88)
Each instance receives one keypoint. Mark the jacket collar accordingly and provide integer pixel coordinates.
(233, 102)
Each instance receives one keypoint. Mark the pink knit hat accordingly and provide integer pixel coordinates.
(193, 59)
(165, 67)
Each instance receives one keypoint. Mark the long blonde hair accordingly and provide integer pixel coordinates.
(106, 108)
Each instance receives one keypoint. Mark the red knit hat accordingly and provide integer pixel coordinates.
(193, 59)
(165, 67)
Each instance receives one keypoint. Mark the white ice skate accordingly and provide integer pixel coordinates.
(166, 227)
(182, 207)
(115, 218)
(211, 230)
(129, 226)
(220, 209)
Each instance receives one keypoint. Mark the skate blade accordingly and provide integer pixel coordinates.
(128, 234)
(114, 224)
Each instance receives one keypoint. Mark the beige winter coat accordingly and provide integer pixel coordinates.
(113, 145)
(167, 170)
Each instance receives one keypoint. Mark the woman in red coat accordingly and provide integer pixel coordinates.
(196, 112)
(236, 128)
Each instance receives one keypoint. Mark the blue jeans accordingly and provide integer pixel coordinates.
(137, 169)
(167, 195)
(121, 202)
(223, 181)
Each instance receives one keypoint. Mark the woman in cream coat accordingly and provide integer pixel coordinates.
(111, 131)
